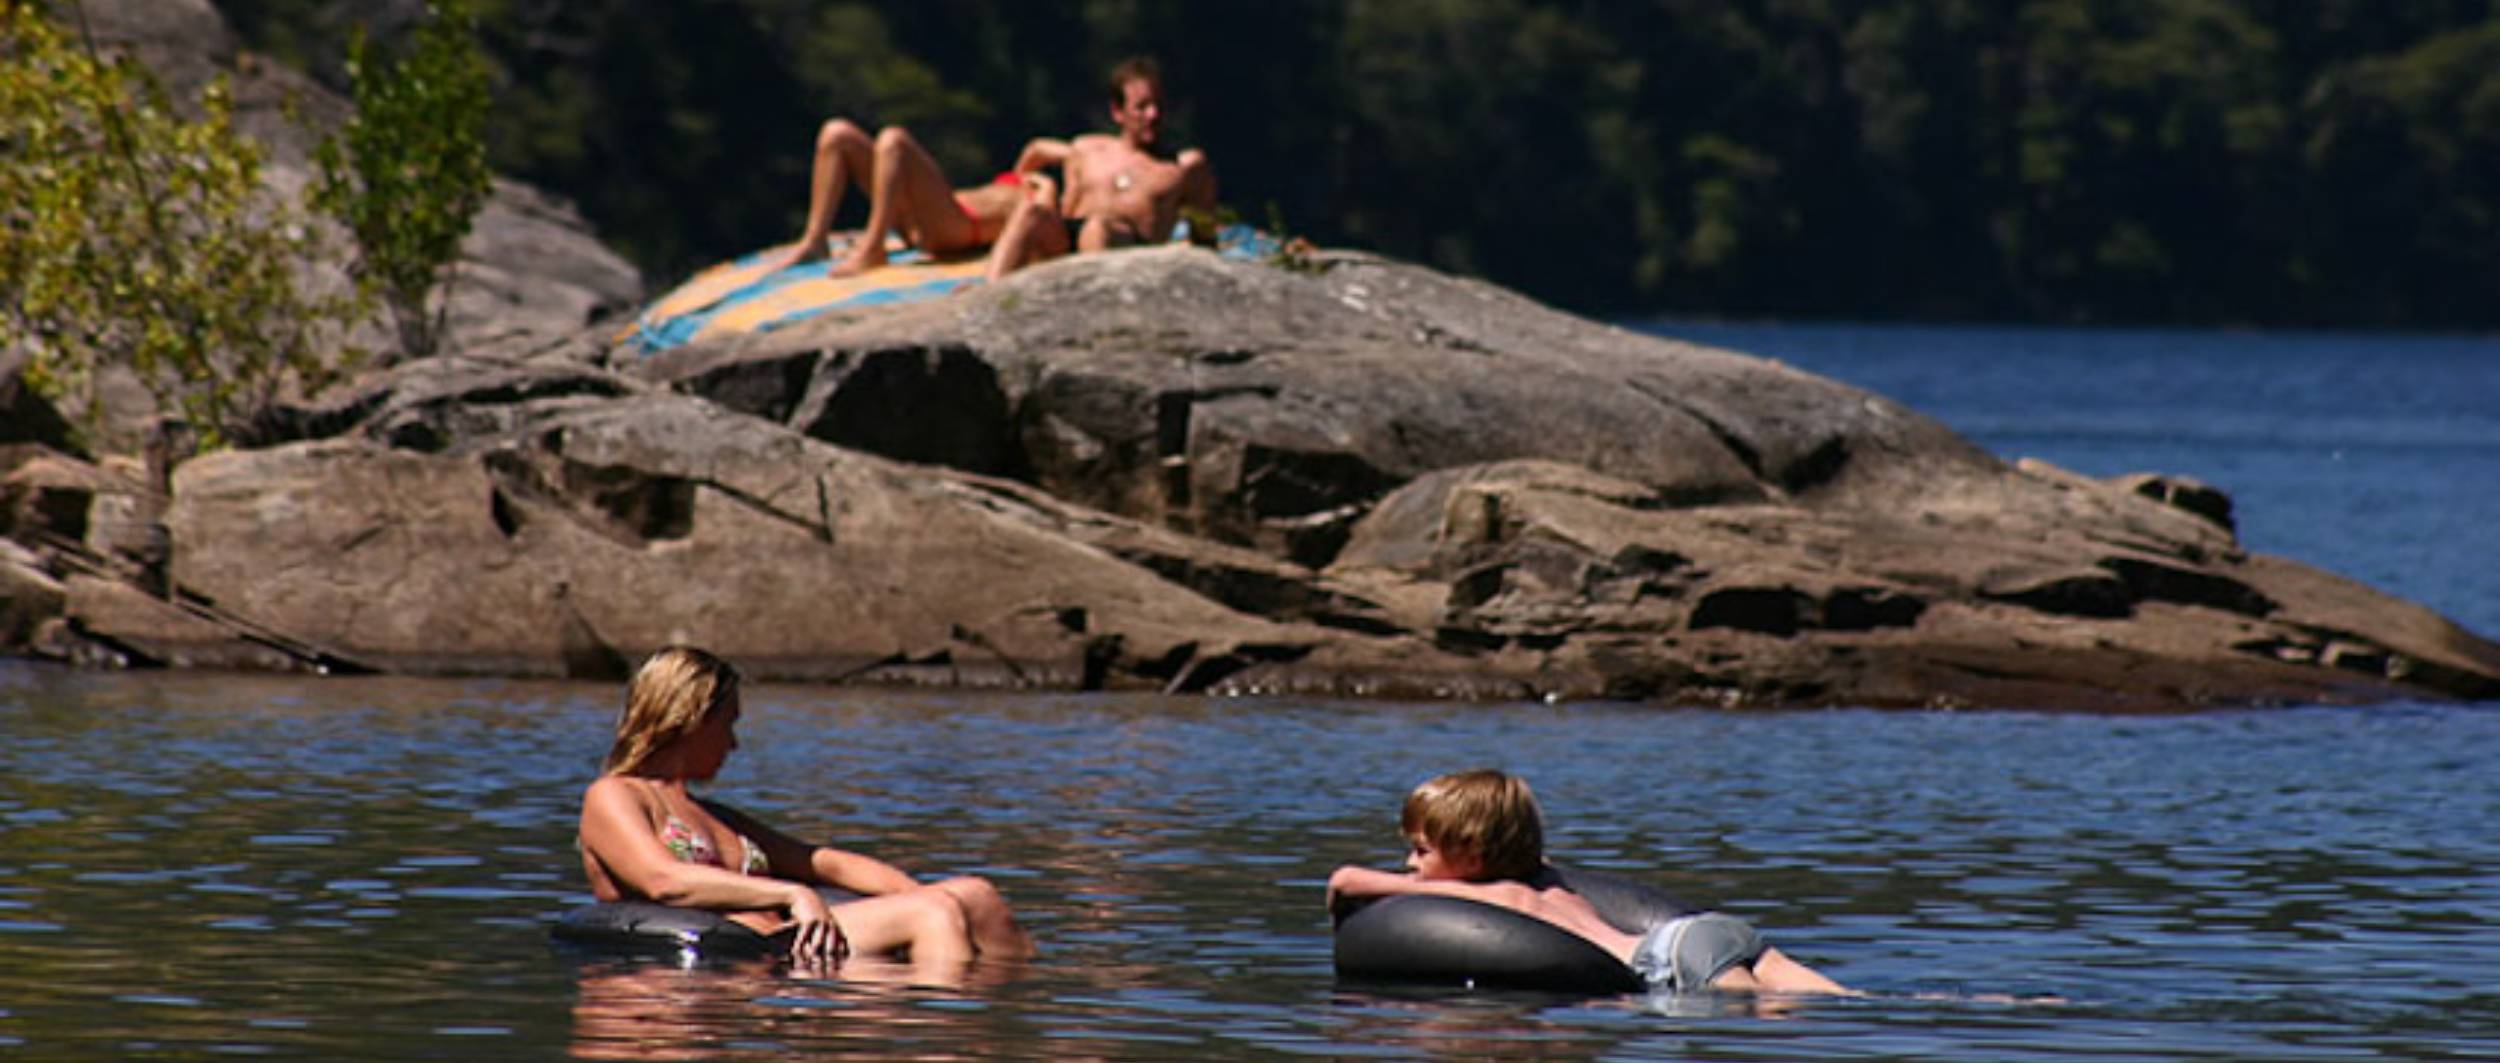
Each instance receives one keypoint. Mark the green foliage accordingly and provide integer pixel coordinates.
(135, 237)
(2150, 160)
(407, 174)
(1293, 254)
(1537, 88)
(684, 128)
(845, 53)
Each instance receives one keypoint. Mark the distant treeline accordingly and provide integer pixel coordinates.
(2203, 161)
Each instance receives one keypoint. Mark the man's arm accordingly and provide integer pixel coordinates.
(1194, 198)
(1041, 153)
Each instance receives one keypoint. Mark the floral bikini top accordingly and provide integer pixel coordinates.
(695, 847)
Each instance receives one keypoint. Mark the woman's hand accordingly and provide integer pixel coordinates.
(819, 942)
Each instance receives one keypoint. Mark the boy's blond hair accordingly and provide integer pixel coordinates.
(1489, 815)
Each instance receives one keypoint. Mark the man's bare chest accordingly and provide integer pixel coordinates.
(1124, 175)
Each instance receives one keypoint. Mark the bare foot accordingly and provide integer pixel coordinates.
(866, 257)
(802, 253)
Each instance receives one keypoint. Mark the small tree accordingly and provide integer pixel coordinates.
(407, 173)
(133, 236)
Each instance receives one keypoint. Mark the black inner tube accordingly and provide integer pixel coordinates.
(1425, 939)
(642, 926)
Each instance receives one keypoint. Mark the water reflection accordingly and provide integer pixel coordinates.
(192, 866)
(640, 1010)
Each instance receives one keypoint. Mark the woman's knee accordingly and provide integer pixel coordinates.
(942, 912)
(975, 894)
(838, 132)
(893, 139)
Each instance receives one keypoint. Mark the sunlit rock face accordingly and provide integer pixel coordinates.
(1162, 469)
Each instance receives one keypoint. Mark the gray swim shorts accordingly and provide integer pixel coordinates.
(1684, 955)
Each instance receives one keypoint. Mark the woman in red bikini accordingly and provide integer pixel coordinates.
(907, 193)
(644, 836)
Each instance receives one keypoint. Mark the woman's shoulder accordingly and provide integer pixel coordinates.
(617, 788)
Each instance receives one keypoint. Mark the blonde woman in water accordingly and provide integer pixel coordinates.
(645, 836)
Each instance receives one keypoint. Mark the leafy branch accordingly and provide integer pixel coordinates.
(134, 239)
(407, 173)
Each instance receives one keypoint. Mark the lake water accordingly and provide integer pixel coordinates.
(214, 865)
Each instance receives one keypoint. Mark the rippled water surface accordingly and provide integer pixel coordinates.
(364, 869)
(197, 865)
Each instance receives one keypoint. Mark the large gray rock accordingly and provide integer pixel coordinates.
(1780, 603)
(1571, 508)
(1764, 537)
(184, 43)
(29, 595)
(1254, 404)
(583, 536)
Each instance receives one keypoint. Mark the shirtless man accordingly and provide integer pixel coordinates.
(907, 193)
(1119, 190)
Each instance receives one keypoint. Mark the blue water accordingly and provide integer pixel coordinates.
(197, 865)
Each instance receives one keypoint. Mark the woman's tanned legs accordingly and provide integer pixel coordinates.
(909, 193)
(927, 924)
(844, 153)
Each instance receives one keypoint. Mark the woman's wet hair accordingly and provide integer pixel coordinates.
(671, 694)
(1489, 815)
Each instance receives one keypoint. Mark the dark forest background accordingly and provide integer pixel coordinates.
(2276, 162)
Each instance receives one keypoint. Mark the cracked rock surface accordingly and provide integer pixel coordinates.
(1160, 469)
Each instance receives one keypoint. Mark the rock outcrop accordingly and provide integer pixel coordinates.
(1370, 479)
(1161, 469)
